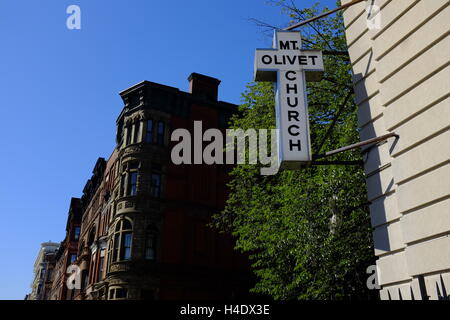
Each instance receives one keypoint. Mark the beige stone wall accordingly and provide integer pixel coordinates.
(402, 80)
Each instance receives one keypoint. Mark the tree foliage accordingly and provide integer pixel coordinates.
(308, 231)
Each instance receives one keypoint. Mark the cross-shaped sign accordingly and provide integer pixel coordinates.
(290, 67)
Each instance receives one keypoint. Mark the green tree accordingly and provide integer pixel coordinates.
(307, 232)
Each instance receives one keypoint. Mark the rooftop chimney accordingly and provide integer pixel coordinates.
(203, 86)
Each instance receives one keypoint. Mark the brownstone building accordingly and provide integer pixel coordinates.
(67, 252)
(140, 229)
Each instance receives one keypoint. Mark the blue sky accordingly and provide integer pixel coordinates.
(59, 95)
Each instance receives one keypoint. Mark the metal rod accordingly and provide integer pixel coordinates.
(356, 145)
(295, 26)
(335, 53)
(338, 162)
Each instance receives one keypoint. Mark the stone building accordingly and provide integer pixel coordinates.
(400, 60)
(43, 272)
(142, 221)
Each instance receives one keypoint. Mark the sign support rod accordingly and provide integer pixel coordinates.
(297, 25)
(356, 145)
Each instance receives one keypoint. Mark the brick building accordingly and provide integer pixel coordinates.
(67, 252)
(139, 230)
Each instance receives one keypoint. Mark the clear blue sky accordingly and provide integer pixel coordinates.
(59, 95)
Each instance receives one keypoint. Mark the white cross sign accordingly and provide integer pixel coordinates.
(290, 67)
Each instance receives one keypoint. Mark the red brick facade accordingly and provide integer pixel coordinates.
(143, 220)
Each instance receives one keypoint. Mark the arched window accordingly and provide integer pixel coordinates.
(150, 243)
(149, 132)
(123, 235)
(160, 133)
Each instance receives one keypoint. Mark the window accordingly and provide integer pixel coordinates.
(41, 275)
(49, 274)
(129, 179)
(100, 268)
(91, 237)
(124, 184)
(73, 258)
(84, 279)
(155, 188)
(110, 254)
(121, 293)
(76, 234)
(118, 293)
(136, 127)
(126, 246)
(133, 165)
(92, 273)
(160, 136)
(149, 132)
(150, 243)
(123, 236)
(132, 183)
(116, 246)
(128, 135)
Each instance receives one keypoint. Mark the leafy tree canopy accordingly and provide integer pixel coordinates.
(307, 232)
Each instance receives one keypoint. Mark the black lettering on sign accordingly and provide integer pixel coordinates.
(288, 45)
(298, 145)
(293, 115)
(290, 104)
(279, 62)
(284, 45)
(293, 88)
(313, 59)
(302, 60)
(291, 59)
(290, 78)
(266, 59)
(293, 127)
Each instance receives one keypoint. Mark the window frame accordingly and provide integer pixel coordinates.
(136, 129)
(76, 235)
(128, 137)
(160, 132)
(132, 183)
(71, 256)
(149, 133)
(151, 233)
(123, 228)
(157, 186)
